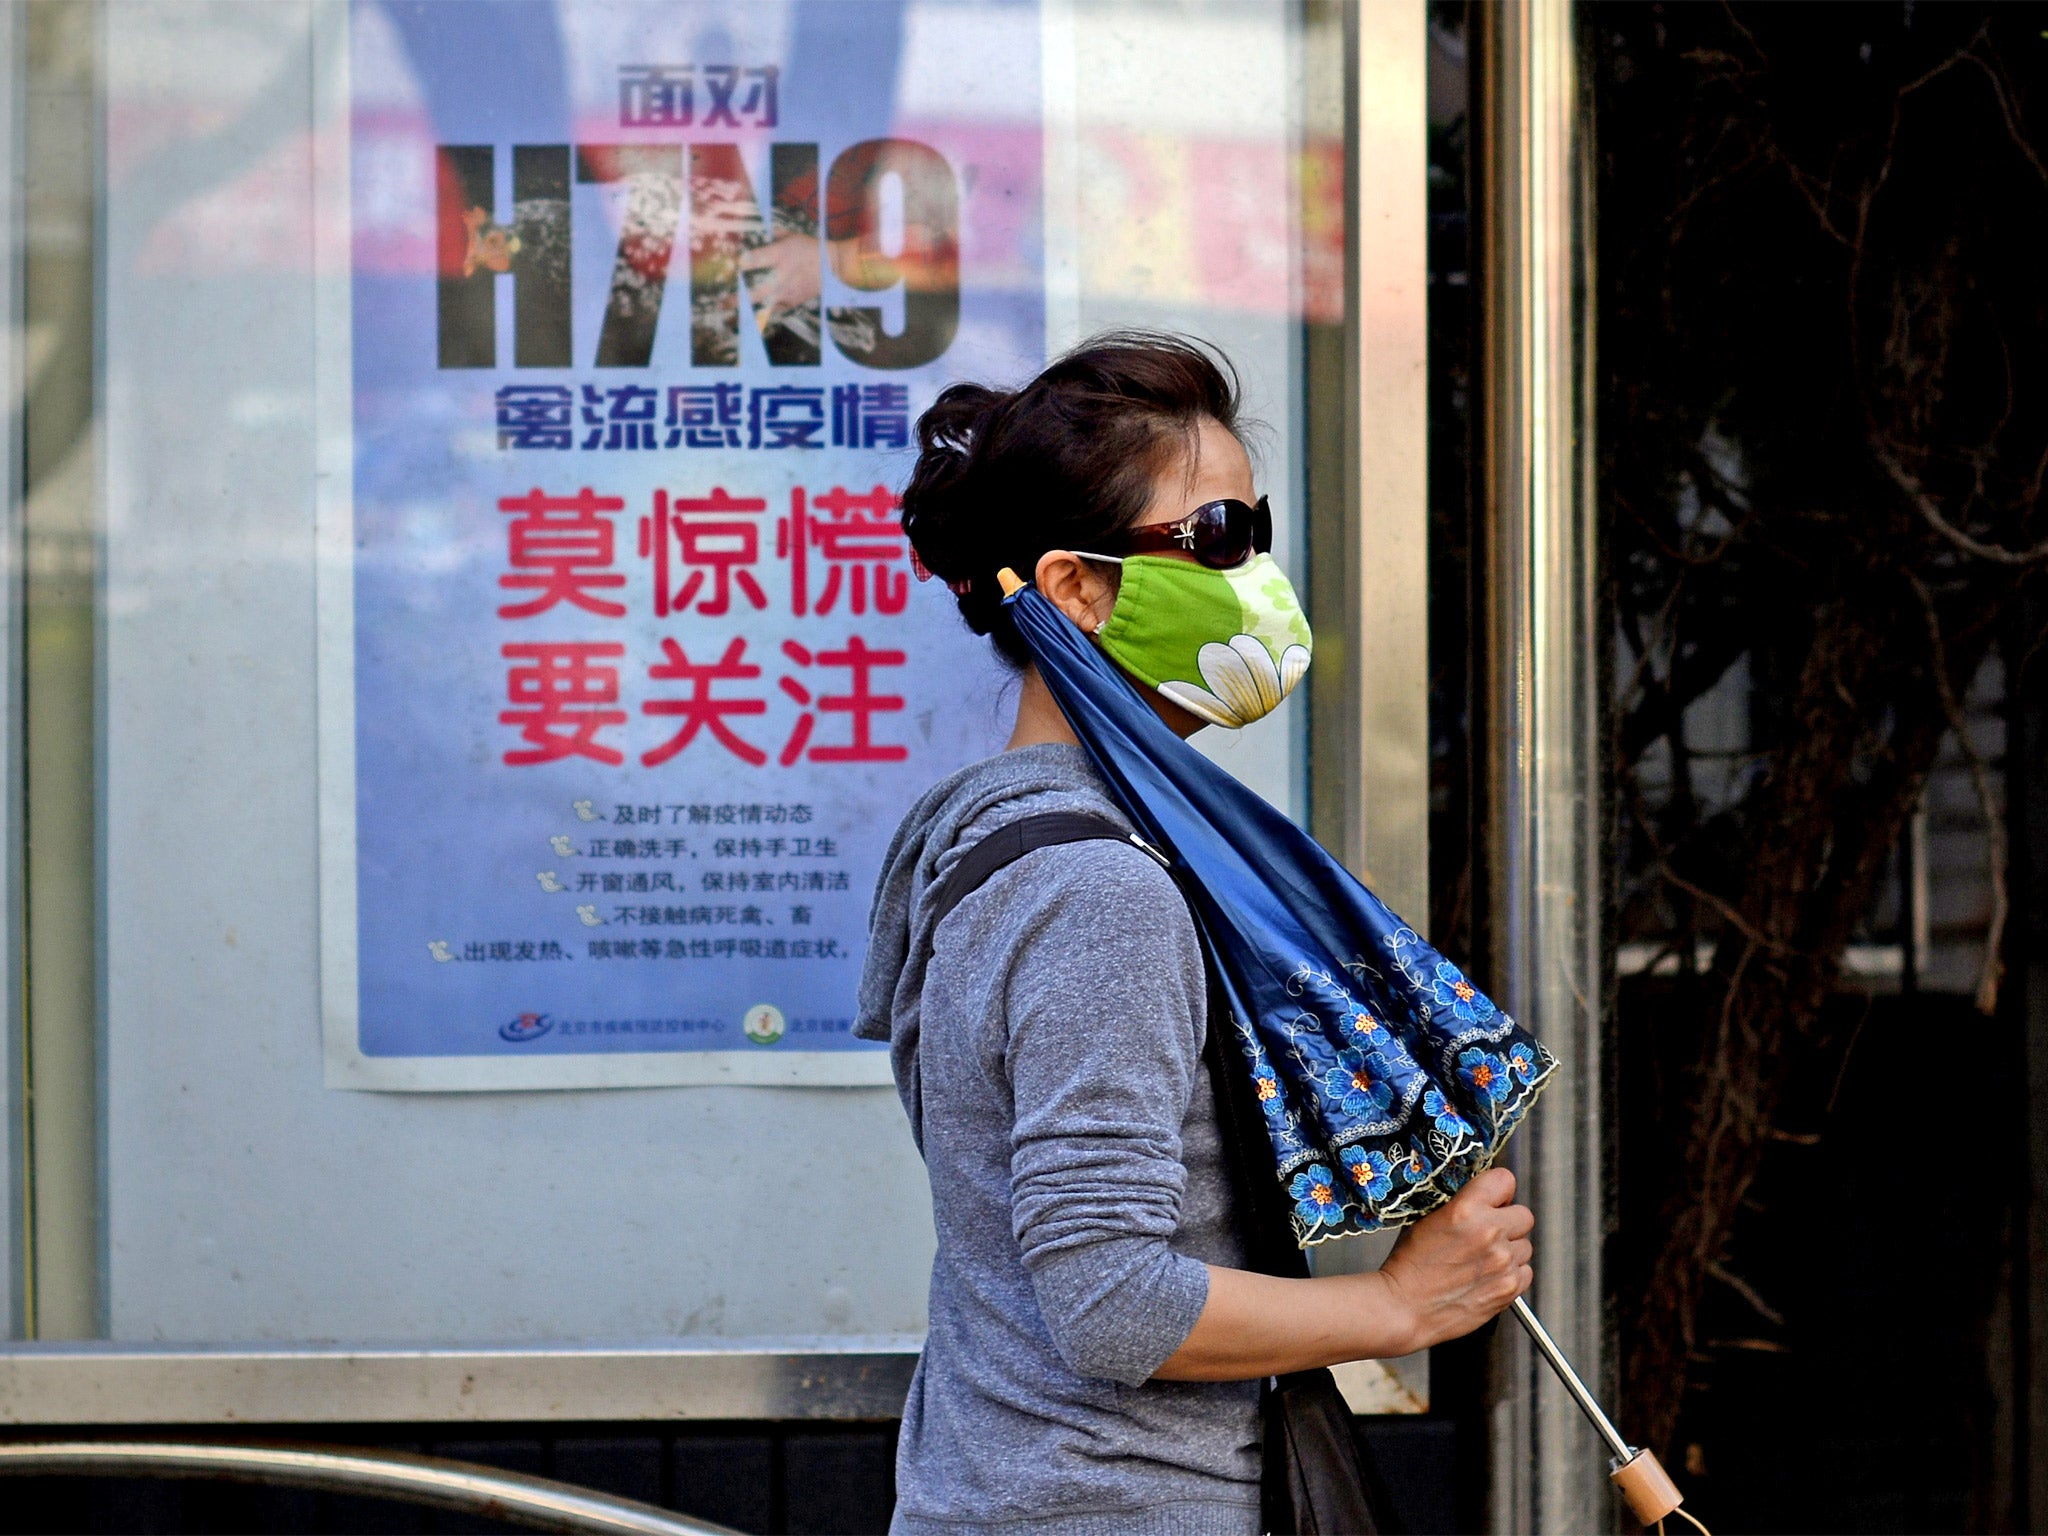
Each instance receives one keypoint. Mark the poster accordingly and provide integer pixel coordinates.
(626, 676)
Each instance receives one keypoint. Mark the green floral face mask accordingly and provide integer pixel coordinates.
(1227, 646)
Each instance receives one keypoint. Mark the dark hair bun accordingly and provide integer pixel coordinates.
(948, 532)
(1066, 462)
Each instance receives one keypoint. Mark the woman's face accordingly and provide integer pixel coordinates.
(1213, 467)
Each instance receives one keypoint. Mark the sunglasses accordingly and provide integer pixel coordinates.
(1219, 534)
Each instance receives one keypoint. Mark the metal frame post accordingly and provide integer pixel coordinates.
(1539, 757)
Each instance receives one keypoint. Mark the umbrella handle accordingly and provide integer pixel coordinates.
(1636, 1472)
(1009, 581)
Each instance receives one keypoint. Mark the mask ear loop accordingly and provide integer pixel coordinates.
(1107, 560)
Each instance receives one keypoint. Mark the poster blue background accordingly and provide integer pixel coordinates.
(451, 841)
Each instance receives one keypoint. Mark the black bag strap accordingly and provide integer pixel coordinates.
(1011, 841)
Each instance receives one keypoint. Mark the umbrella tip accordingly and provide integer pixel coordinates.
(1009, 581)
(1648, 1488)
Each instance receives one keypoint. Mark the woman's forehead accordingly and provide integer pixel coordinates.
(1213, 465)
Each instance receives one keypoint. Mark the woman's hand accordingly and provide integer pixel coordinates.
(1463, 1263)
(1453, 1270)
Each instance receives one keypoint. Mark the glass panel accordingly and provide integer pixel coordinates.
(330, 313)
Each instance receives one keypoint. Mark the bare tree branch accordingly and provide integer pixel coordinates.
(1747, 1292)
(1922, 503)
(2002, 93)
(1729, 915)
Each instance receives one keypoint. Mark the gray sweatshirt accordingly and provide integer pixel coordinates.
(1050, 1058)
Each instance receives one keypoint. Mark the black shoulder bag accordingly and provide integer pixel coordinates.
(1318, 1478)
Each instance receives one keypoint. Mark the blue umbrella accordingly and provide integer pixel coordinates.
(1386, 1077)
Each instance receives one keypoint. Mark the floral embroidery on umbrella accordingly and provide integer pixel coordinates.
(1414, 1170)
(1522, 1059)
(1267, 1086)
(1353, 1083)
(1315, 1196)
(1370, 1171)
(1365, 1027)
(1467, 1003)
(1447, 1119)
(1484, 1073)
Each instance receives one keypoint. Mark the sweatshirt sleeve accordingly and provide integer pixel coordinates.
(1105, 1012)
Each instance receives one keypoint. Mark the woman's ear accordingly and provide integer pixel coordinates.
(1075, 587)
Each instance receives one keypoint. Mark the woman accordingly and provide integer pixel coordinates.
(1096, 1348)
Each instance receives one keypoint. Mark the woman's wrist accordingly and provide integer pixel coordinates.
(1390, 1324)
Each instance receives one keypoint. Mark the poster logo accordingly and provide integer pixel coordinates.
(527, 1026)
(764, 1024)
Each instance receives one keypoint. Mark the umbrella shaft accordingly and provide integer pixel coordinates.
(1546, 1346)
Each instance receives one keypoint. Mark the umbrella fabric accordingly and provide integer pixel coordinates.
(1387, 1079)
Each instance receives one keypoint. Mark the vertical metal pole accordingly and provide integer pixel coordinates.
(1540, 742)
(60, 659)
(14, 1247)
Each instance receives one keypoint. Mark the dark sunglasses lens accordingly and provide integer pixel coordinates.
(1262, 528)
(1225, 534)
